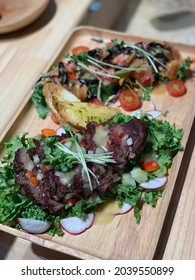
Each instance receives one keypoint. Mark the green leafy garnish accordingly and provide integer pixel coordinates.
(184, 69)
(38, 100)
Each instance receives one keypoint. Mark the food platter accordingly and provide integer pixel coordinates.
(122, 238)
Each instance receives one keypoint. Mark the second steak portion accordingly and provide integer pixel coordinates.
(50, 188)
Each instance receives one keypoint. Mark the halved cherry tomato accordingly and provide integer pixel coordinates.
(176, 88)
(150, 165)
(48, 132)
(79, 49)
(129, 99)
(96, 101)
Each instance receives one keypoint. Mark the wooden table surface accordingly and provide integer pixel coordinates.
(23, 54)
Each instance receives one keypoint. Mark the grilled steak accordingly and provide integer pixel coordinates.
(50, 188)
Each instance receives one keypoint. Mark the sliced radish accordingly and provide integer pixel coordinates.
(154, 184)
(60, 131)
(154, 113)
(125, 209)
(34, 226)
(76, 225)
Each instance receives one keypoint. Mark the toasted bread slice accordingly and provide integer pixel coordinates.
(68, 109)
(79, 114)
(55, 91)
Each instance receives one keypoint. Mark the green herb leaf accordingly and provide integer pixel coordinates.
(38, 100)
(184, 69)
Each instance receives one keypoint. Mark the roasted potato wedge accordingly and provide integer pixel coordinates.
(68, 109)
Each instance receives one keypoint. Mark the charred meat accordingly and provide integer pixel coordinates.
(50, 174)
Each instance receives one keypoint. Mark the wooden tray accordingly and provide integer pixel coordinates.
(122, 238)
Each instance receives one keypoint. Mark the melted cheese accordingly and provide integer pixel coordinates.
(101, 136)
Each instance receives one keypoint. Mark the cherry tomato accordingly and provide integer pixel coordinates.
(176, 88)
(150, 165)
(79, 49)
(129, 99)
(96, 101)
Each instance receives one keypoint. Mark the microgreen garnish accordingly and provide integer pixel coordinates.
(149, 56)
(183, 69)
(97, 73)
(114, 65)
(99, 90)
(82, 158)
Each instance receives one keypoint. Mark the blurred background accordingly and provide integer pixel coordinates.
(168, 19)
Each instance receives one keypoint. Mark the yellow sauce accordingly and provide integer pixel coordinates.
(106, 212)
(101, 136)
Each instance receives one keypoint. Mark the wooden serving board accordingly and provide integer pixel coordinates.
(183, 248)
(122, 238)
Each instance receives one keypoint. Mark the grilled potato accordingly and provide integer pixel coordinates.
(68, 109)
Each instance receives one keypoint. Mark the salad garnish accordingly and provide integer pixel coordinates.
(102, 73)
(140, 178)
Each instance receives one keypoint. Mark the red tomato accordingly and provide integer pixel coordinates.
(79, 49)
(176, 88)
(150, 165)
(73, 75)
(96, 101)
(129, 99)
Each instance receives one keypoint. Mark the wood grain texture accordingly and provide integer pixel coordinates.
(122, 238)
(181, 242)
(17, 14)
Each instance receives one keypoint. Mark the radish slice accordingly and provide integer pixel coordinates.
(125, 209)
(34, 226)
(76, 225)
(60, 131)
(154, 184)
(154, 113)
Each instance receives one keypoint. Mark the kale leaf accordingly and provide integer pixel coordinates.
(39, 102)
